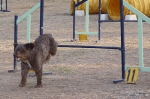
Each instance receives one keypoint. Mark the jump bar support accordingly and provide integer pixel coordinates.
(81, 46)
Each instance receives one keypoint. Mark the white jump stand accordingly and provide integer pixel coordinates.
(79, 12)
(105, 17)
(130, 17)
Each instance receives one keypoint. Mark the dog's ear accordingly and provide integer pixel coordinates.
(29, 46)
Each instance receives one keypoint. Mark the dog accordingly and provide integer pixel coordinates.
(34, 55)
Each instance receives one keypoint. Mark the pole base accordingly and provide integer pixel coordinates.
(5, 10)
(118, 81)
(11, 71)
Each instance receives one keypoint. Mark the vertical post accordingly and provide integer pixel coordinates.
(28, 28)
(99, 18)
(140, 38)
(1, 4)
(87, 17)
(41, 16)
(122, 43)
(6, 5)
(122, 39)
(15, 38)
(74, 21)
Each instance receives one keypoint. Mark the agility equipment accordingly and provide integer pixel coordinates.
(141, 17)
(113, 8)
(93, 6)
(86, 31)
(82, 37)
(3, 6)
(131, 17)
(121, 48)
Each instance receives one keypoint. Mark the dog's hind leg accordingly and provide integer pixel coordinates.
(39, 78)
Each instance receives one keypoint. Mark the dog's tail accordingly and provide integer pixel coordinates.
(53, 46)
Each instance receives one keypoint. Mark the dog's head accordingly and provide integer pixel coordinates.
(23, 51)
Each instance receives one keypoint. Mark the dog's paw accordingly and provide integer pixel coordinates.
(22, 85)
(39, 86)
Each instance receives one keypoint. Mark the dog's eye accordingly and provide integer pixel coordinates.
(22, 51)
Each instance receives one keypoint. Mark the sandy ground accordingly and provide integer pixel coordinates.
(76, 73)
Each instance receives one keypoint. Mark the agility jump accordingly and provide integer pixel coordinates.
(141, 18)
(121, 48)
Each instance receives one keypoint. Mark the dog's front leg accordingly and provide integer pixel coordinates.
(24, 73)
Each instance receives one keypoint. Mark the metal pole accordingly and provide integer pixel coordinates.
(1, 4)
(122, 39)
(6, 5)
(74, 22)
(87, 17)
(99, 19)
(15, 38)
(41, 16)
(84, 46)
(122, 43)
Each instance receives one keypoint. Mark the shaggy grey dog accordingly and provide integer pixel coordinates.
(33, 55)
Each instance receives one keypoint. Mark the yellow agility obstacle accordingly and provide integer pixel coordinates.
(93, 6)
(112, 7)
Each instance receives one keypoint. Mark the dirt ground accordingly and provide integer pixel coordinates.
(77, 73)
